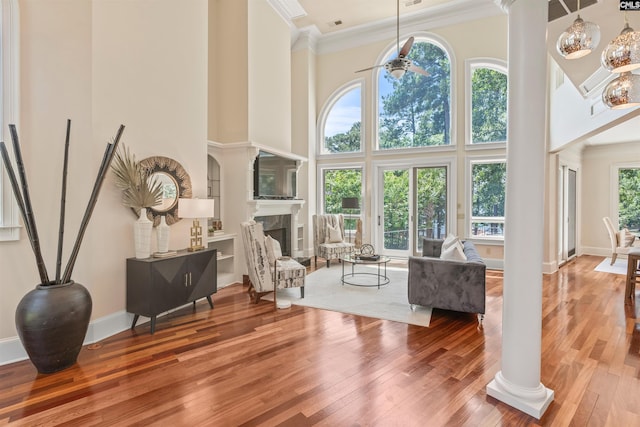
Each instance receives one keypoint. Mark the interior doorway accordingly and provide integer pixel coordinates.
(567, 209)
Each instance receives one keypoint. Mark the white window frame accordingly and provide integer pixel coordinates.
(473, 160)
(615, 195)
(390, 49)
(471, 65)
(324, 114)
(9, 79)
(332, 166)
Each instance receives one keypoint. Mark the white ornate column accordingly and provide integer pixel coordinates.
(518, 383)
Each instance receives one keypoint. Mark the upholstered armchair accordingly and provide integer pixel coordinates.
(266, 266)
(621, 241)
(328, 238)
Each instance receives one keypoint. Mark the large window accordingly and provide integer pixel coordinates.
(487, 114)
(415, 110)
(488, 187)
(342, 119)
(338, 184)
(629, 198)
(9, 224)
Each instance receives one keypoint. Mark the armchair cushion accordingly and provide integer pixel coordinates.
(625, 238)
(273, 249)
(333, 234)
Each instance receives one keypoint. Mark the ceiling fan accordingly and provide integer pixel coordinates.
(400, 64)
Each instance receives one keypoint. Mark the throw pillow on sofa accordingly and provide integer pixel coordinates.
(454, 252)
(449, 241)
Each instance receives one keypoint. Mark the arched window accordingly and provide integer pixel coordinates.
(341, 121)
(9, 223)
(415, 110)
(486, 101)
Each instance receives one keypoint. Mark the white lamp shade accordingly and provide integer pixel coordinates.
(579, 39)
(195, 208)
(623, 53)
(622, 92)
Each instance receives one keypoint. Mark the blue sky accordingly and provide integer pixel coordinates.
(347, 110)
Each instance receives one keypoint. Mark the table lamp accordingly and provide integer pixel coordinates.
(196, 209)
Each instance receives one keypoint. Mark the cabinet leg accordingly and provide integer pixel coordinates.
(135, 320)
(301, 291)
(210, 301)
(153, 324)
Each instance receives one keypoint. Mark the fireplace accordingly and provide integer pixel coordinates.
(279, 228)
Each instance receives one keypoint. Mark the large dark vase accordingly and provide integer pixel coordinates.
(52, 322)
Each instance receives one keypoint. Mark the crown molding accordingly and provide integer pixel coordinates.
(306, 39)
(505, 5)
(288, 9)
(450, 13)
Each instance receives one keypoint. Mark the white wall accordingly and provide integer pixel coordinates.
(103, 63)
(269, 77)
(598, 163)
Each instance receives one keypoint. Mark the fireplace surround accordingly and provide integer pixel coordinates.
(279, 228)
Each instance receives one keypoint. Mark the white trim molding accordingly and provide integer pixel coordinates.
(10, 82)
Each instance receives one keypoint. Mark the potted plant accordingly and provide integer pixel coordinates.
(53, 318)
(139, 192)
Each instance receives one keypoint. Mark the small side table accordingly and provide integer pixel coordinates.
(633, 272)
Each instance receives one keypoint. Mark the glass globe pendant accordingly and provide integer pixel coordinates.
(622, 92)
(623, 53)
(579, 39)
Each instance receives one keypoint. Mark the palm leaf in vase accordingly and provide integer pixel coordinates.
(139, 190)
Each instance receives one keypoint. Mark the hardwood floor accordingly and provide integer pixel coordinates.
(245, 364)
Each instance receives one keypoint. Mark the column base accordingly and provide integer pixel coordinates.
(531, 402)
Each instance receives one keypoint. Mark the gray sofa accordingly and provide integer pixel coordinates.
(447, 284)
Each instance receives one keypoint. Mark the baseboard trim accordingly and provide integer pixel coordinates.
(494, 264)
(11, 349)
(549, 267)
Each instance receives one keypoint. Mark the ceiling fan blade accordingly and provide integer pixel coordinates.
(418, 70)
(370, 68)
(406, 47)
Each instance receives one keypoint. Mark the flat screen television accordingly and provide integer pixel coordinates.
(274, 177)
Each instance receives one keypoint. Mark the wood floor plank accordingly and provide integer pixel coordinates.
(246, 364)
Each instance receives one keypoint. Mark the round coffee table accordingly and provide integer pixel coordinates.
(381, 274)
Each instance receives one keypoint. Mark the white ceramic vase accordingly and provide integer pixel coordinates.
(163, 233)
(142, 235)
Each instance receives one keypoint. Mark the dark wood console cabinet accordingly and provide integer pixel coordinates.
(157, 285)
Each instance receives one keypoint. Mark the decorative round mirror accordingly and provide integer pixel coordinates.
(175, 183)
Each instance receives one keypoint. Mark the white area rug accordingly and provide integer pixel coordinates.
(618, 267)
(324, 290)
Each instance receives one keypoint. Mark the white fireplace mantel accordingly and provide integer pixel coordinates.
(266, 207)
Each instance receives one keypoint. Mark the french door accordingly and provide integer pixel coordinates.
(413, 203)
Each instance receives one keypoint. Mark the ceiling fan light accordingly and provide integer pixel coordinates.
(579, 39)
(397, 72)
(622, 53)
(622, 92)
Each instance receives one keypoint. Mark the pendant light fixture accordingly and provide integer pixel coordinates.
(579, 39)
(623, 53)
(622, 92)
